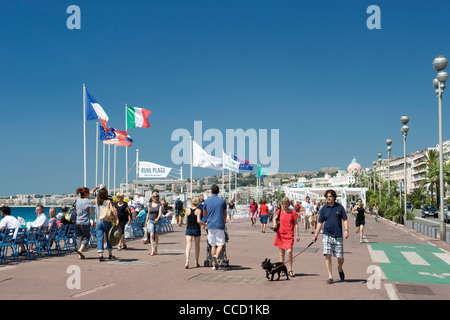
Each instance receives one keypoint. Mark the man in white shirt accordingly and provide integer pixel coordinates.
(8, 221)
(309, 211)
(139, 199)
(41, 219)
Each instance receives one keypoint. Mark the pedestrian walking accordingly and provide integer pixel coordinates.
(179, 211)
(284, 238)
(253, 212)
(153, 223)
(231, 210)
(309, 214)
(215, 213)
(359, 210)
(193, 221)
(83, 220)
(263, 215)
(124, 215)
(333, 214)
(103, 226)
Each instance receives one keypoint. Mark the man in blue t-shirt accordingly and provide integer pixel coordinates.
(215, 213)
(333, 214)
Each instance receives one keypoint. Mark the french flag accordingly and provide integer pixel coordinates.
(94, 111)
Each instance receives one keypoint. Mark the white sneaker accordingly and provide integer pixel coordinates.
(215, 263)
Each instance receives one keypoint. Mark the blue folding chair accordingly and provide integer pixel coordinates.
(31, 239)
(21, 240)
(69, 237)
(51, 237)
(93, 238)
(60, 236)
(41, 240)
(6, 242)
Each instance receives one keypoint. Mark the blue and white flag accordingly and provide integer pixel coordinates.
(94, 110)
(243, 164)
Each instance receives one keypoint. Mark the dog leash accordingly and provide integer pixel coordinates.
(309, 245)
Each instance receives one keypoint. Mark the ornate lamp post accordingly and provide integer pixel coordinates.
(404, 119)
(388, 149)
(439, 64)
(379, 172)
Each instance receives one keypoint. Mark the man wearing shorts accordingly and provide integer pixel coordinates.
(309, 214)
(215, 213)
(333, 214)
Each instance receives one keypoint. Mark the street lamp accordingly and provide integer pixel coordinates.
(439, 64)
(379, 172)
(388, 149)
(404, 119)
(374, 180)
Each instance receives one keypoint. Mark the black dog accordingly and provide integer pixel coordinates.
(272, 268)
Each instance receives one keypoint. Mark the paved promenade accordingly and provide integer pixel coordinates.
(135, 275)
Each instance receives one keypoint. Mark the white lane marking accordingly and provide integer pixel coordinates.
(414, 258)
(378, 256)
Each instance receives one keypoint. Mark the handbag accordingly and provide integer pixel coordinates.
(277, 220)
(145, 238)
(106, 214)
(71, 215)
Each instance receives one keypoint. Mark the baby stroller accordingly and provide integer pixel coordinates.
(222, 259)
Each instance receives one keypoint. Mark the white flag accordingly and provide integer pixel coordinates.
(229, 163)
(203, 160)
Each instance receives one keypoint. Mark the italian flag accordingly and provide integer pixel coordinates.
(137, 118)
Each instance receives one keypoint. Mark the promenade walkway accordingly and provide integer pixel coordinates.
(135, 275)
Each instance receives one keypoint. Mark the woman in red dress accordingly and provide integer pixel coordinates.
(284, 238)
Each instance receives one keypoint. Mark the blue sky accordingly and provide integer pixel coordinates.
(311, 69)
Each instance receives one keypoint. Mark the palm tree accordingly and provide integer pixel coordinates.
(432, 177)
(429, 158)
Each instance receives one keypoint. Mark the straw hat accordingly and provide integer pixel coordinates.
(115, 234)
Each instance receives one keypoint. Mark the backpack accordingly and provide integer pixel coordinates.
(71, 215)
(179, 205)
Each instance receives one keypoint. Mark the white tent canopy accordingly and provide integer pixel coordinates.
(318, 194)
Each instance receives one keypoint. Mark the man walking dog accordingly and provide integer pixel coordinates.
(333, 214)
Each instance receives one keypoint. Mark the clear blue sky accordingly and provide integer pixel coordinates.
(311, 69)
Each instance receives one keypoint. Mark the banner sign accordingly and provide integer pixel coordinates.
(152, 170)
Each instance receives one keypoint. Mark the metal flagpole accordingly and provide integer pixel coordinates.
(137, 163)
(115, 151)
(96, 157)
(229, 182)
(103, 167)
(126, 152)
(84, 133)
(109, 161)
(191, 159)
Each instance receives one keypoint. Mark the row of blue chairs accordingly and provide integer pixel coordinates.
(37, 240)
(41, 239)
(138, 225)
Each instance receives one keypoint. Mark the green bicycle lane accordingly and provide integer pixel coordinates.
(412, 263)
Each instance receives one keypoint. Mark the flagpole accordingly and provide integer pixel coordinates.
(109, 161)
(84, 132)
(114, 185)
(103, 165)
(126, 152)
(229, 181)
(191, 160)
(96, 157)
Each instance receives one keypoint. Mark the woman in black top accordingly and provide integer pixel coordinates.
(359, 211)
(124, 215)
(193, 219)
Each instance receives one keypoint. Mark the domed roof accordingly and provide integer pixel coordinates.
(354, 167)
